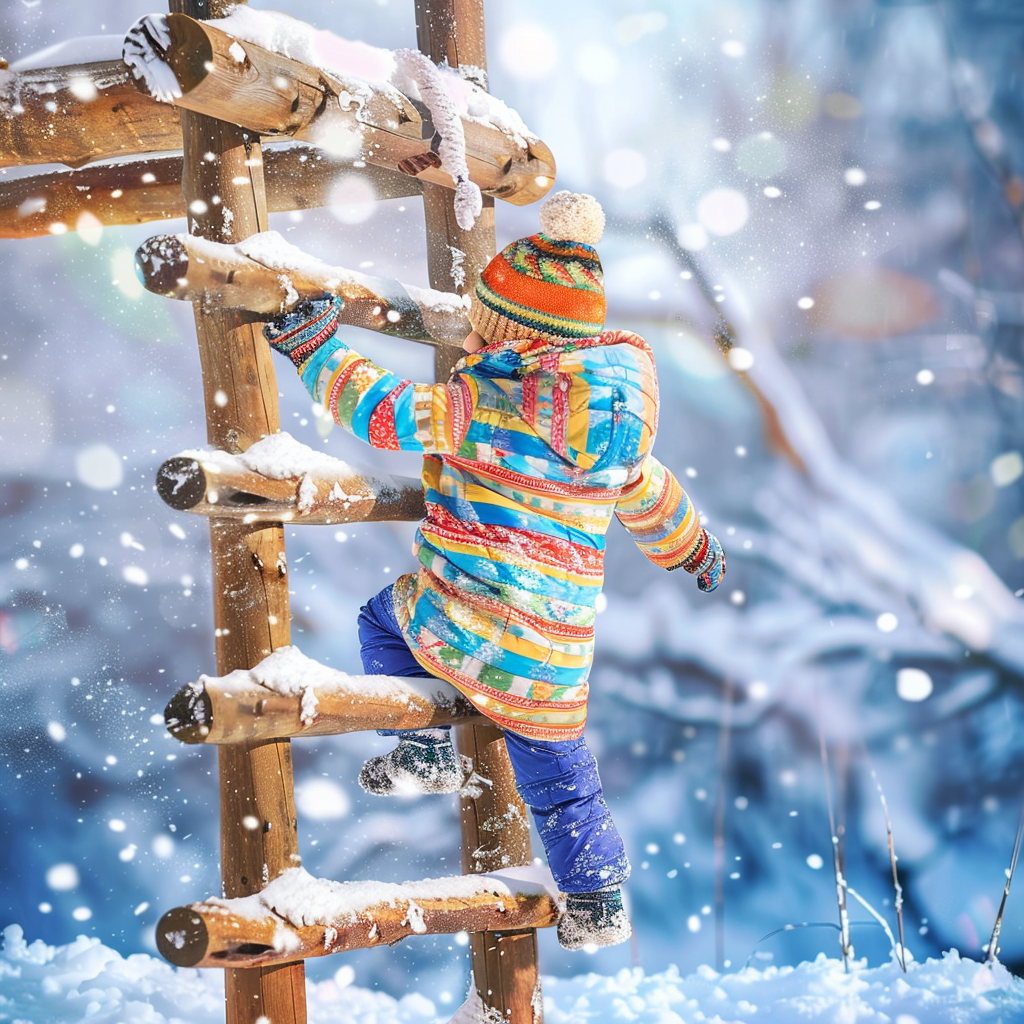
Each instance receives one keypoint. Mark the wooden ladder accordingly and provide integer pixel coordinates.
(251, 618)
(249, 710)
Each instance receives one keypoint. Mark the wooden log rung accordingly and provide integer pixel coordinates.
(290, 695)
(138, 191)
(267, 275)
(279, 479)
(298, 916)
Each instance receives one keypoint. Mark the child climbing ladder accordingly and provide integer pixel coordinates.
(542, 433)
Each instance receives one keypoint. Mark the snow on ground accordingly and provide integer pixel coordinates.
(86, 981)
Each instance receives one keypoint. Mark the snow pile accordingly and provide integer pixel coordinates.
(86, 981)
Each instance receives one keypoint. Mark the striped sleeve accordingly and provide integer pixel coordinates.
(382, 409)
(660, 517)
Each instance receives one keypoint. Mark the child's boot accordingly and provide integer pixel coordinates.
(593, 919)
(423, 762)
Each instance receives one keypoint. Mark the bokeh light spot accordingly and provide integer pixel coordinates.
(887, 622)
(98, 466)
(596, 63)
(62, 877)
(352, 199)
(1006, 468)
(913, 684)
(321, 800)
(761, 156)
(528, 50)
(723, 211)
(625, 168)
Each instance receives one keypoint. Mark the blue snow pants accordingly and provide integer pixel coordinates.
(557, 779)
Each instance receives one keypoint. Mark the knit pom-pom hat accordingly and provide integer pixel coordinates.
(550, 284)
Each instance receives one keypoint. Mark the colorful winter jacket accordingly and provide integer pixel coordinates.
(530, 449)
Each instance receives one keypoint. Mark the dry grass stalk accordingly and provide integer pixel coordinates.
(993, 942)
(845, 943)
(895, 876)
(724, 740)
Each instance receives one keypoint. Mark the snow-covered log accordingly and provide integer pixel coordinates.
(298, 177)
(199, 66)
(298, 916)
(278, 480)
(265, 274)
(288, 694)
(79, 113)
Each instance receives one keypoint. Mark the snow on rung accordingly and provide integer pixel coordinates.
(298, 916)
(288, 694)
(334, 92)
(266, 274)
(279, 479)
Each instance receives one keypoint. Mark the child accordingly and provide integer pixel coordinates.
(540, 436)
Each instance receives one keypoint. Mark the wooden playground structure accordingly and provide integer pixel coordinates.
(229, 140)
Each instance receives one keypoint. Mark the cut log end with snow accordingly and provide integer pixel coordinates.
(312, 488)
(266, 275)
(297, 916)
(288, 695)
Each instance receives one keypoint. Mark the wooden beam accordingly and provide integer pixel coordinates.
(218, 483)
(233, 80)
(298, 176)
(79, 113)
(297, 916)
(266, 275)
(223, 171)
(495, 830)
(288, 694)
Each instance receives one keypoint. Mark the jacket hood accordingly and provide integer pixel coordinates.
(589, 399)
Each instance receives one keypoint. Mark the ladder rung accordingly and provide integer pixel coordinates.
(281, 480)
(298, 916)
(266, 274)
(288, 694)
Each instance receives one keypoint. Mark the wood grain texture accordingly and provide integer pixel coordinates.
(186, 267)
(222, 176)
(495, 831)
(218, 935)
(298, 177)
(221, 712)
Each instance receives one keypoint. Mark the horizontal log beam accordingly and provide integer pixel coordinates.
(266, 275)
(298, 177)
(288, 694)
(79, 113)
(298, 916)
(215, 483)
(200, 67)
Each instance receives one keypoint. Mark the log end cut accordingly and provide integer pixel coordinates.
(161, 263)
(188, 714)
(181, 483)
(182, 937)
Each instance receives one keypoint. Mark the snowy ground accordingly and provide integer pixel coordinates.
(86, 981)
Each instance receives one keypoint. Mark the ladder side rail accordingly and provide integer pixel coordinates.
(226, 199)
(495, 829)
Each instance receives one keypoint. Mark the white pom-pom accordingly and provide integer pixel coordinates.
(572, 217)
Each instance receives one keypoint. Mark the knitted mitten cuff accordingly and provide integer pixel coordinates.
(707, 562)
(302, 330)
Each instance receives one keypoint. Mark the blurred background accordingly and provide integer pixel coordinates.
(837, 186)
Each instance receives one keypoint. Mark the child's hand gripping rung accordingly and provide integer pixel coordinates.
(302, 330)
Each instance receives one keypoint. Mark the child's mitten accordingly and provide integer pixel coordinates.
(302, 330)
(707, 562)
